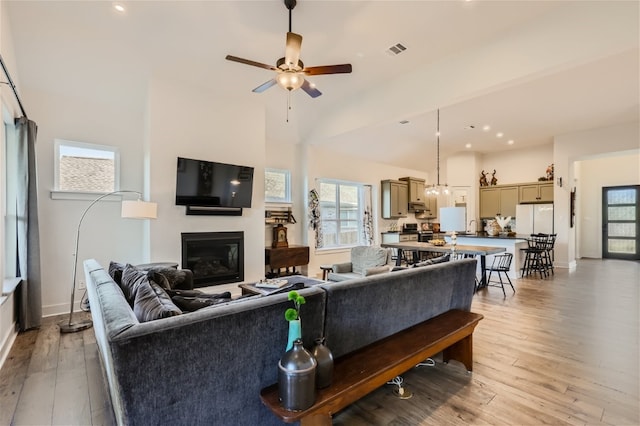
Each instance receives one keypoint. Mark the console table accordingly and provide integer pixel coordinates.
(278, 258)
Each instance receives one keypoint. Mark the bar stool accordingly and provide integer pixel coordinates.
(501, 264)
(534, 259)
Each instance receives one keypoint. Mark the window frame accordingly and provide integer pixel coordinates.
(57, 193)
(360, 215)
(287, 176)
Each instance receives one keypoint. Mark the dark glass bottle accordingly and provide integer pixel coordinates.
(324, 358)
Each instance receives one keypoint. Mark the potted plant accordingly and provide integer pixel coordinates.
(293, 316)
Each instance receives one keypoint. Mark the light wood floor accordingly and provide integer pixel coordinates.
(560, 351)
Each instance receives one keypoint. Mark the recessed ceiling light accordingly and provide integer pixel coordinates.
(499, 134)
(468, 145)
(510, 141)
(118, 7)
(486, 128)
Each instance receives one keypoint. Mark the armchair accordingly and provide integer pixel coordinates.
(365, 261)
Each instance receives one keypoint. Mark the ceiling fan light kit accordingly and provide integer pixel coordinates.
(290, 69)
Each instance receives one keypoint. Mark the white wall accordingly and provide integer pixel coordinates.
(518, 165)
(185, 121)
(105, 236)
(568, 149)
(594, 175)
(283, 155)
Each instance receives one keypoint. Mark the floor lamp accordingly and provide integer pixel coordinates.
(137, 209)
(452, 219)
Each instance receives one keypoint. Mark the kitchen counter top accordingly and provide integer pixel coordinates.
(492, 237)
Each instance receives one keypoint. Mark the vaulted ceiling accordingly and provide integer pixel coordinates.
(528, 69)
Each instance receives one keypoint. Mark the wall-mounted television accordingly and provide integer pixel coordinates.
(209, 184)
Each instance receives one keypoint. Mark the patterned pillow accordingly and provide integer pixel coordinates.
(152, 302)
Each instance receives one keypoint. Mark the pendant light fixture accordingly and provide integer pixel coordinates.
(437, 189)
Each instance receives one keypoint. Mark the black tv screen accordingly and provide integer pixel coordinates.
(209, 184)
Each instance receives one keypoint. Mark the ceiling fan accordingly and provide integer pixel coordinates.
(290, 69)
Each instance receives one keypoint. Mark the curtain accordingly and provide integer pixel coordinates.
(29, 294)
(314, 216)
(367, 220)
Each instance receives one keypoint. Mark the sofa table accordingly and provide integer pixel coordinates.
(278, 258)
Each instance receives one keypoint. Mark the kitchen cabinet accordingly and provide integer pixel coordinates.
(415, 187)
(395, 199)
(498, 201)
(536, 193)
(431, 207)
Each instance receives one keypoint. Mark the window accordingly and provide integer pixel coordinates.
(10, 191)
(341, 213)
(277, 186)
(83, 167)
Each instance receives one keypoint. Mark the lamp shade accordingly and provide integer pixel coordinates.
(290, 80)
(452, 219)
(139, 209)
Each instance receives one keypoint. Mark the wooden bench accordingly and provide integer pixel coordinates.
(364, 370)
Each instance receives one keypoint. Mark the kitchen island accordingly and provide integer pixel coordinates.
(512, 244)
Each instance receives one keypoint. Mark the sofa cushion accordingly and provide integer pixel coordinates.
(132, 278)
(376, 270)
(115, 271)
(193, 303)
(365, 257)
(433, 261)
(343, 276)
(171, 278)
(152, 302)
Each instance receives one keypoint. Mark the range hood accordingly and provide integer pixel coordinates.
(417, 207)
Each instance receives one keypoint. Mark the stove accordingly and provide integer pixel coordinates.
(409, 228)
(412, 228)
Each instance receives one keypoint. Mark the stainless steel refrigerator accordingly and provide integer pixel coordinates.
(534, 219)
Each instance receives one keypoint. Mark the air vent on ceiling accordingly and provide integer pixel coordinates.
(396, 49)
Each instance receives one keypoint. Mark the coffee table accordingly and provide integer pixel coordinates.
(251, 289)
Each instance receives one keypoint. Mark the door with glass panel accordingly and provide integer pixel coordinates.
(621, 222)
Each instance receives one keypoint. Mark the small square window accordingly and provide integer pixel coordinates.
(277, 186)
(84, 167)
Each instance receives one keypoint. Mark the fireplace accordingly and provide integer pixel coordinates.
(213, 257)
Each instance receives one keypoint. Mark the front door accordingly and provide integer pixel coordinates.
(621, 222)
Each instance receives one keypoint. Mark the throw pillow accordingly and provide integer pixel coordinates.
(190, 304)
(432, 261)
(115, 271)
(376, 270)
(132, 278)
(152, 302)
(174, 278)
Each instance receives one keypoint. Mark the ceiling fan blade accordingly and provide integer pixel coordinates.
(328, 69)
(265, 86)
(311, 90)
(292, 51)
(250, 62)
